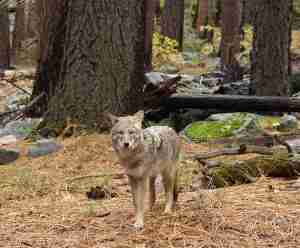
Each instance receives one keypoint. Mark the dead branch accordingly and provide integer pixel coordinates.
(164, 89)
(22, 111)
(242, 149)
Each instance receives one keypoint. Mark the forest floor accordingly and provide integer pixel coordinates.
(41, 207)
(43, 203)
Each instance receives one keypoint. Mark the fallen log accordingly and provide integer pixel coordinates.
(234, 103)
(227, 174)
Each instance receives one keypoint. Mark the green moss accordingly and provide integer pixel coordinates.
(207, 130)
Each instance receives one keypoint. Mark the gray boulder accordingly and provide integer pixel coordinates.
(8, 156)
(43, 147)
(288, 122)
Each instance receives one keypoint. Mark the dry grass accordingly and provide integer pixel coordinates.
(36, 210)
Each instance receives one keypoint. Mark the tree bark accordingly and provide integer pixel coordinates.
(172, 20)
(230, 44)
(271, 47)
(103, 62)
(4, 37)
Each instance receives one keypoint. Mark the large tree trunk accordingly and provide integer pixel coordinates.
(52, 16)
(271, 47)
(173, 19)
(230, 44)
(103, 62)
(4, 37)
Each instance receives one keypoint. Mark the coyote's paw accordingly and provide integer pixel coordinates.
(138, 225)
(168, 210)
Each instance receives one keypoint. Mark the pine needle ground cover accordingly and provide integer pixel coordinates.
(38, 209)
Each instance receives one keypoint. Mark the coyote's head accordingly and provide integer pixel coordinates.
(127, 132)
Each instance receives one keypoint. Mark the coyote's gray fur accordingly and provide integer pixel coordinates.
(144, 154)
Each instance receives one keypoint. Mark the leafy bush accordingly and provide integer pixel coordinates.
(246, 45)
(163, 49)
(211, 48)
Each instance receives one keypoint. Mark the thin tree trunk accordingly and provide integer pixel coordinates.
(18, 33)
(103, 62)
(173, 19)
(150, 9)
(230, 30)
(4, 37)
(271, 48)
(203, 14)
(290, 36)
(52, 16)
(31, 18)
(230, 44)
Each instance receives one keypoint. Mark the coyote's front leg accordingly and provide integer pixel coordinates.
(138, 189)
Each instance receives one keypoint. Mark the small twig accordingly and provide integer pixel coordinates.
(113, 175)
(27, 244)
(18, 87)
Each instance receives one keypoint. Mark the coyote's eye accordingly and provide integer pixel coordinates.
(120, 133)
(132, 131)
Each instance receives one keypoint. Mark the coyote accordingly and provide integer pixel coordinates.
(144, 154)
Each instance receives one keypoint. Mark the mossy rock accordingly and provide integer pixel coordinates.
(203, 131)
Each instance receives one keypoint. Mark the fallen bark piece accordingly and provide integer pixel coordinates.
(227, 174)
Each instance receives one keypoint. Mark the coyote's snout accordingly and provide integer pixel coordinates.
(146, 153)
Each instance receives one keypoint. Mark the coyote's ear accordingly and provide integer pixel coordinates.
(113, 119)
(139, 115)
